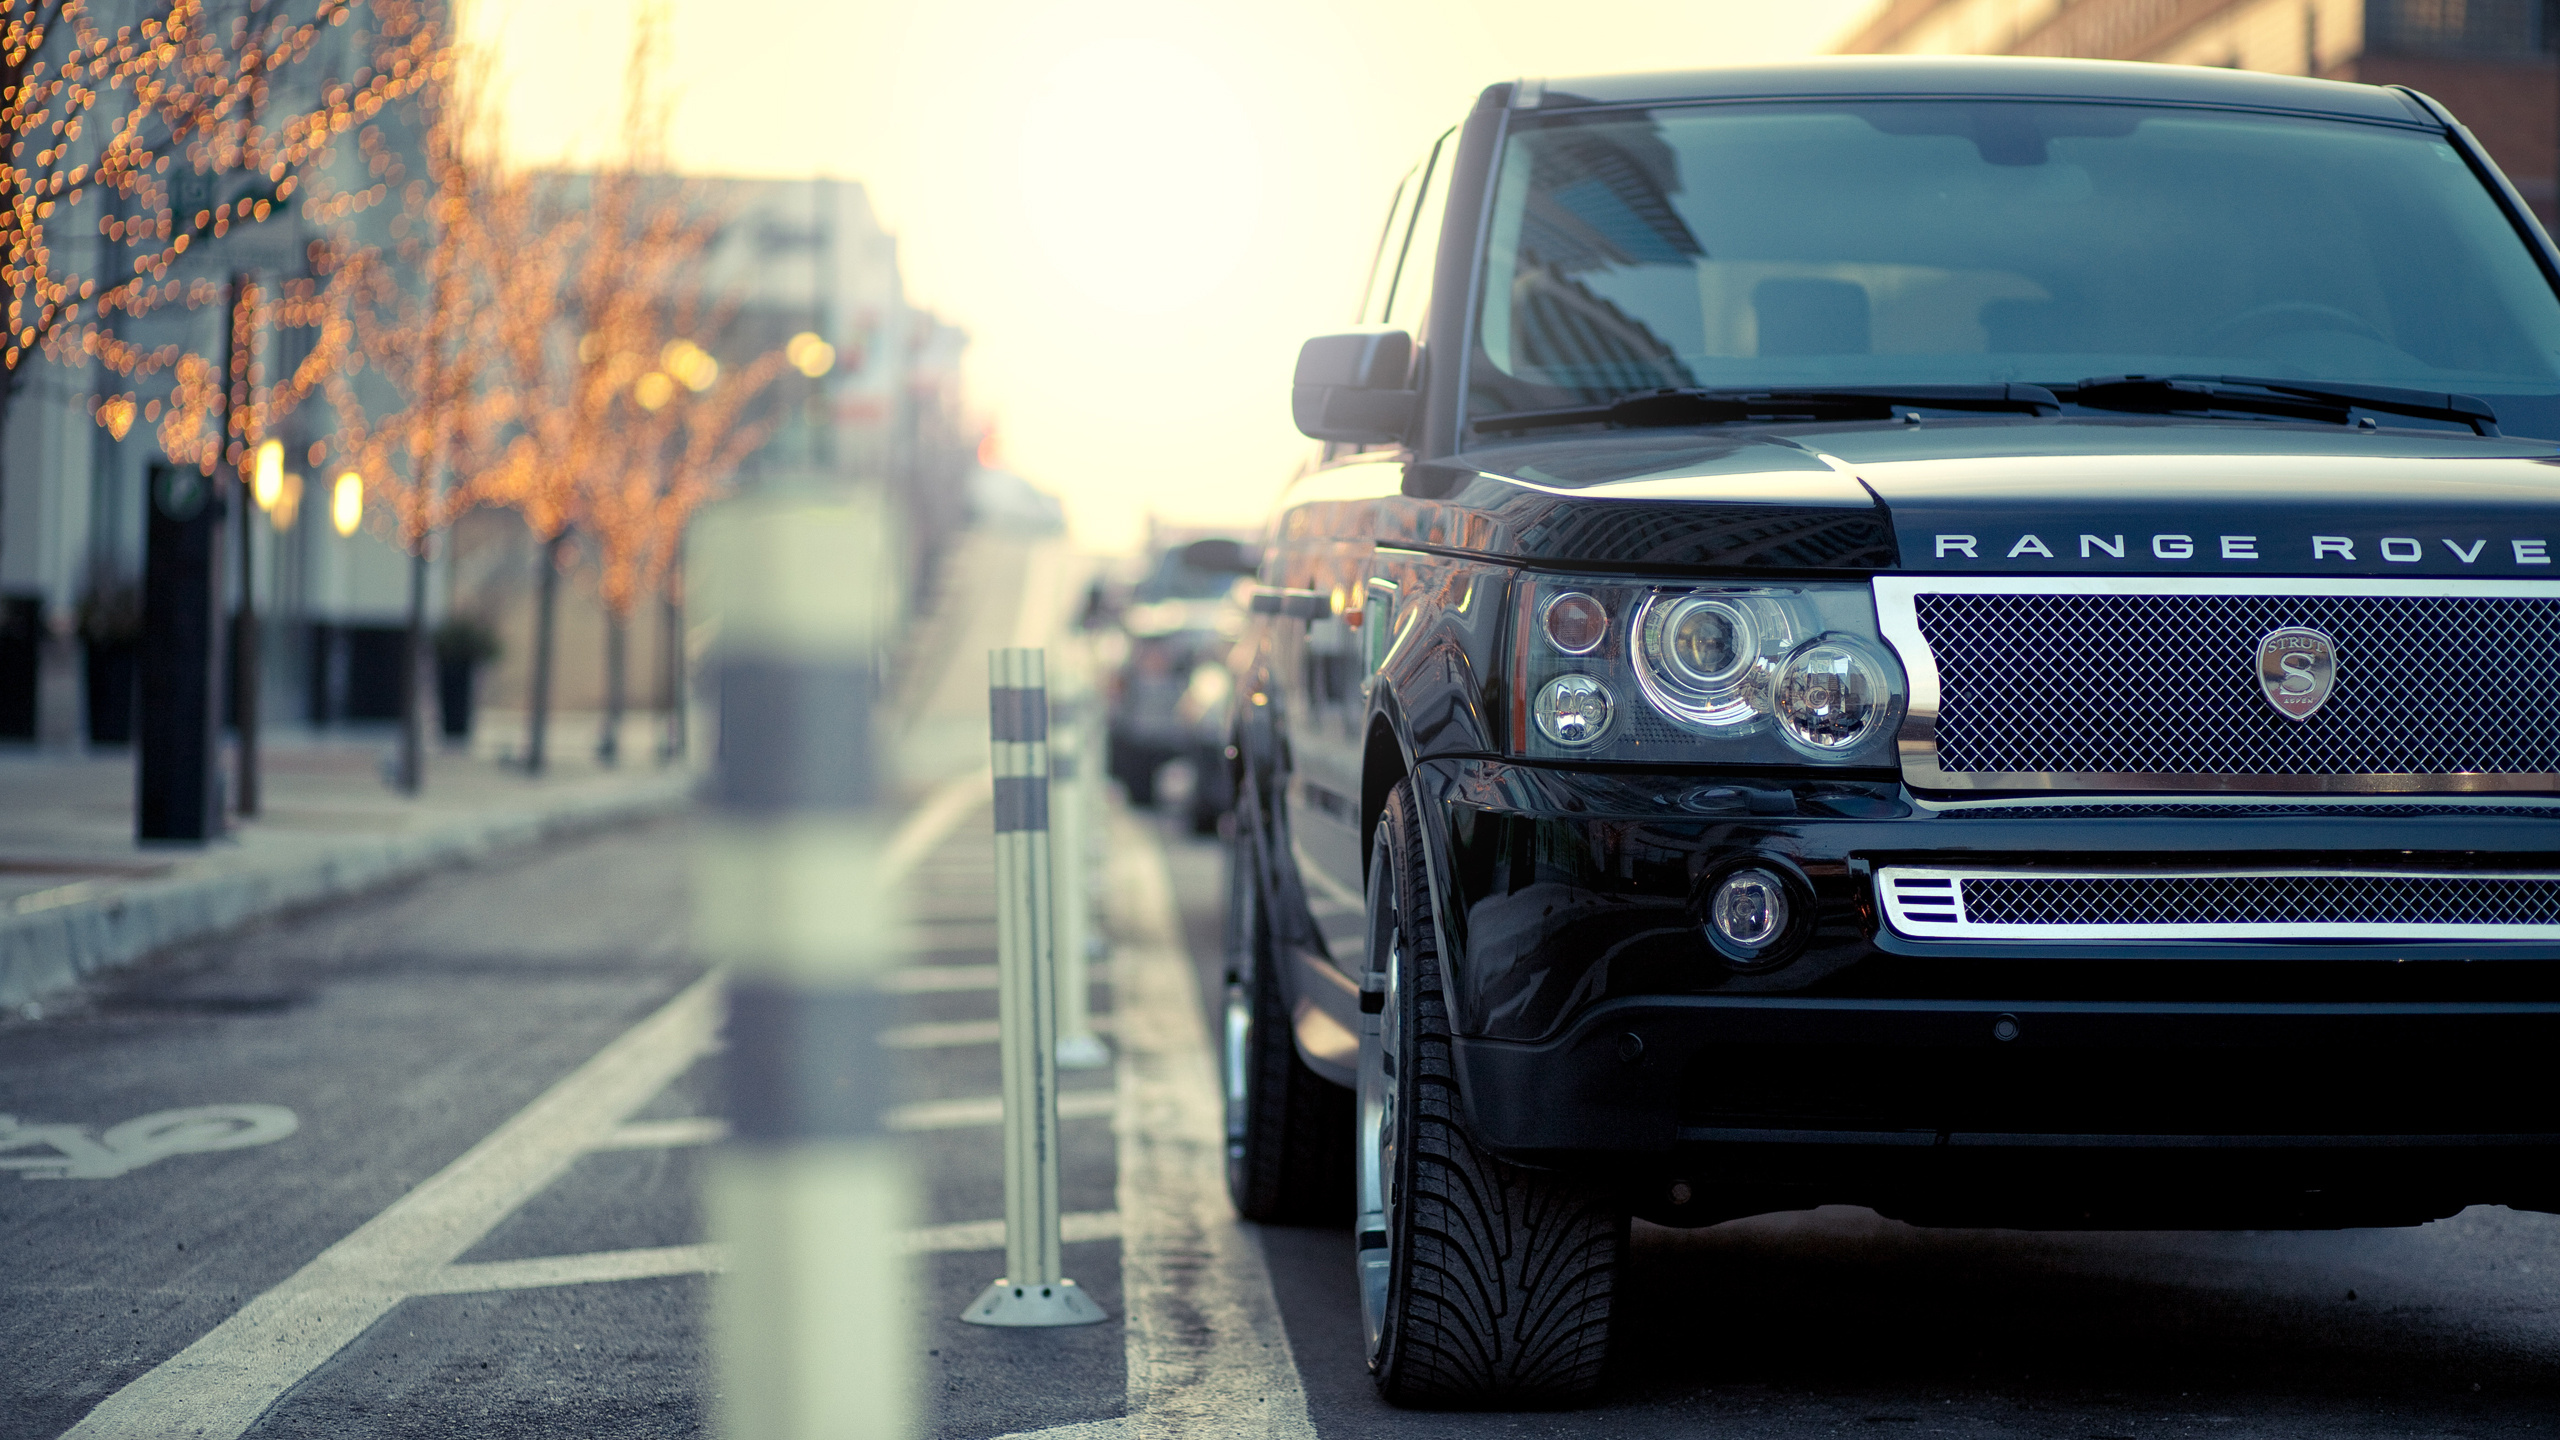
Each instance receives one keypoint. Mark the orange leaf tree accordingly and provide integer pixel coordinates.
(155, 137)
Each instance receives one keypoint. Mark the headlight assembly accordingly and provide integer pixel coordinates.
(1710, 672)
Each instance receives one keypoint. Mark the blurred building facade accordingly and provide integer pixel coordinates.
(2494, 63)
(884, 417)
(73, 496)
(806, 257)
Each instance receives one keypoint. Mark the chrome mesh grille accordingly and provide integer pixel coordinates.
(2261, 900)
(2167, 684)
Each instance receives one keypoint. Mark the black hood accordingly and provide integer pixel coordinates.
(2076, 495)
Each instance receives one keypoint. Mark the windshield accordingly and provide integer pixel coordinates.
(1935, 242)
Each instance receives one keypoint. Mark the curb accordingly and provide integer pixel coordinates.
(56, 949)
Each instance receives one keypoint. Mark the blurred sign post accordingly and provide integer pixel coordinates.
(1031, 1291)
(808, 1197)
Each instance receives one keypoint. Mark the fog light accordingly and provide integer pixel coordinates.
(1748, 913)
(1573, 709)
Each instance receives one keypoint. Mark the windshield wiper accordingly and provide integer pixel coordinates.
(1689, 405)
(2290, 399)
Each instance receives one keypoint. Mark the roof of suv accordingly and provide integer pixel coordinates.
(1966, 75)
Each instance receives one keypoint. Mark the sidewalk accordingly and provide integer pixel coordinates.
(78, 895)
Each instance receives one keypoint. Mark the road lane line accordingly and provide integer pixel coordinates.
(654, 1264)
(216, 1388)
(945, 1034)
(1074, 1228)
(933, 820)
(940, 1034)
(1079, 1227)
(953, 979)
(664, 1134)
(989, 1110)
(1208, 1355)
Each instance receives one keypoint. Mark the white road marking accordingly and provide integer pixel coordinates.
(952, 979)
(139, 1141)
(989, 1110)
(1207, 1353)
(941, 1034)
(569, 1270)
(664, 1134)
(1074, 1228)
(938, 979)
(216, 1388)
(40, 901)
(944, 1034)
(932, 821)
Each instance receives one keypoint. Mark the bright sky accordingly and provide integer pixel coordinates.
(1138, 208)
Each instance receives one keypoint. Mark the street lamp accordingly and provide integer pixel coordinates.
(810, 355)
(266, 481)
(346, 503)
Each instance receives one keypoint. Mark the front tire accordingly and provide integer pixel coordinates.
(1288, 1129)
(1483, 1284)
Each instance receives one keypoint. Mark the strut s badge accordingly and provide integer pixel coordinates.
(2297, 667)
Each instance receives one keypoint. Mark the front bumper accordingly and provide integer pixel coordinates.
(1594, 1019)
(2088, 1112)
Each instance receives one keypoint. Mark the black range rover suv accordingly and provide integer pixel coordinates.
(1977, 638)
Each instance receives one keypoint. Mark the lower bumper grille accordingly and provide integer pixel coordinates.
(1930, 903)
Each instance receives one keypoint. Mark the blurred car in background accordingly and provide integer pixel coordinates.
(1169, 688)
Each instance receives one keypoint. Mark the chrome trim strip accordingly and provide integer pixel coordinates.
(2521, 804)
(1929, 925)
(1898, 619)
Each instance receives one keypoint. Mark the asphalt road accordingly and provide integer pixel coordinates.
(401, 1029)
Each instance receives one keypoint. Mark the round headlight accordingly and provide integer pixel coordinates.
(1576, 623)
(1699, 658)
(1572, 709)
(1832, 696)
(1707, 641)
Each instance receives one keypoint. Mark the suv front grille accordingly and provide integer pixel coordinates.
(2166, 684)
(1932, 903)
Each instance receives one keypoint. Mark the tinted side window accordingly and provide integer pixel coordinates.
(1410, 300)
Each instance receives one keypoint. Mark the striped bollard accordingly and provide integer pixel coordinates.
(809, 1197)
(1071, 887)
(1031, 1291)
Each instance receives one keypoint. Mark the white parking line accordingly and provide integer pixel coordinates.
(216, 1388)
(946, 1034)
(569, 1270)
(989, 1110)
(1206, 1351)
(954, 979)
(664, 1134)
(1074, 1227)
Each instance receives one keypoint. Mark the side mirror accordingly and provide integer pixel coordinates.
(1352, 387)
(1221, 557)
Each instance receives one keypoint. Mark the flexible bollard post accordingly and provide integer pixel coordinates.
(808, 1197)
(1070, 849)
(1031, 1291)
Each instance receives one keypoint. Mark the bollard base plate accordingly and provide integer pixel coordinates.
(1082, 1052)
(1061, 1302)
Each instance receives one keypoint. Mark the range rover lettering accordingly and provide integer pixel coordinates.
(1974, 637)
